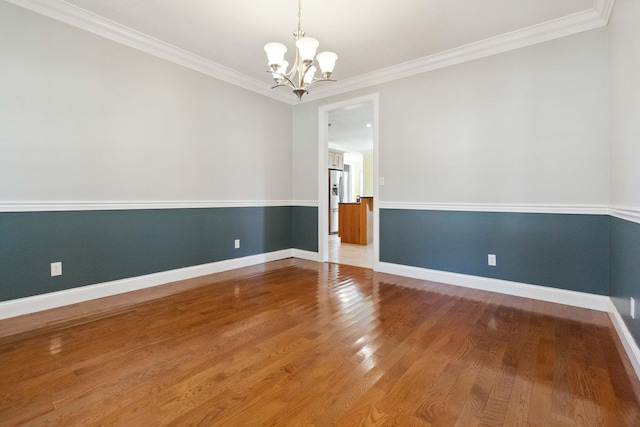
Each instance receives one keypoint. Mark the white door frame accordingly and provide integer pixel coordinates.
(323, 186)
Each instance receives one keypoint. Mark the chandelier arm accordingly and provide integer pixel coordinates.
(289, 82)
(300, 69)
(284, 84)
(315, 81)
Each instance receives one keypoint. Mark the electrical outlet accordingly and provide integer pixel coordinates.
(491, 260)
(56, 269)
(632, 307)
(237, 244)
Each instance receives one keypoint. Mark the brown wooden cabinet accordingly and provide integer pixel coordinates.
(355, 222)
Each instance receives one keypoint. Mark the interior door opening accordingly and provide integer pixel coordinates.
(348, 212)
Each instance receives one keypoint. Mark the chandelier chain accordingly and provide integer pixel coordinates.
(299, 16)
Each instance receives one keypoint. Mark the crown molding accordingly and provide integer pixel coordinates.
(603, 8)
(596, 17)
(62, 11)
(96, 24)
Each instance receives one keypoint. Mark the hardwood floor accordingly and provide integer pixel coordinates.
(301, 343)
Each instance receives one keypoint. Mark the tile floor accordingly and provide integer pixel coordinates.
(346, 253)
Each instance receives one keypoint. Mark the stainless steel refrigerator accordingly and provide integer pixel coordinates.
(336, 195)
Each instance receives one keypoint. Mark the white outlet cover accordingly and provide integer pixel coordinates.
(491, 260)
(56, 269)
(237, 244)
(633, 307)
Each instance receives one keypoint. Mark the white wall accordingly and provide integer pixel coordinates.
(367, 166)
(354, 160)
(83, 118)
(624, 54)
(523, 127)
(304, 177)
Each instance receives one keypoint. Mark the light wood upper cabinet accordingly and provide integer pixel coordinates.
(336, 161)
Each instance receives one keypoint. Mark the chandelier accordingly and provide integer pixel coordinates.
(303, 73)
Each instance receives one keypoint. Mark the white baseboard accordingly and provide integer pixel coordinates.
(309, 256)
(544, 293)
(628, 342)
(51, 300)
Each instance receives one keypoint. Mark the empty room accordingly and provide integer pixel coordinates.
(306, 212)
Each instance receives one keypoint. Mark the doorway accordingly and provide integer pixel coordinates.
(349, 129)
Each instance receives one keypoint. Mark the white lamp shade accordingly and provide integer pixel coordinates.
(275, 52)
(283, 67)
(308, 78)
(307, 47)
(281, 70)
(327, 61)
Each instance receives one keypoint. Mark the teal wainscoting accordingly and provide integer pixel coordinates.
(556, 250)
(624, 276)
(101, 246)
(304, 230)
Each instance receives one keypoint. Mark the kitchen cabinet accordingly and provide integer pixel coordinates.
(355, 223)
(336, 161)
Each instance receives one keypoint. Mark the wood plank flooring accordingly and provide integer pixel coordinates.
(297, 343)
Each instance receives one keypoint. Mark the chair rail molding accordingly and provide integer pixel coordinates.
(500, 207)
(32, 206)
(626, 213)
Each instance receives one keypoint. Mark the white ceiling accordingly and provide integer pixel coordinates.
(351, 128)
(376, 40)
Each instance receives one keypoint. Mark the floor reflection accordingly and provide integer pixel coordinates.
(349, 254)
(321, 344)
